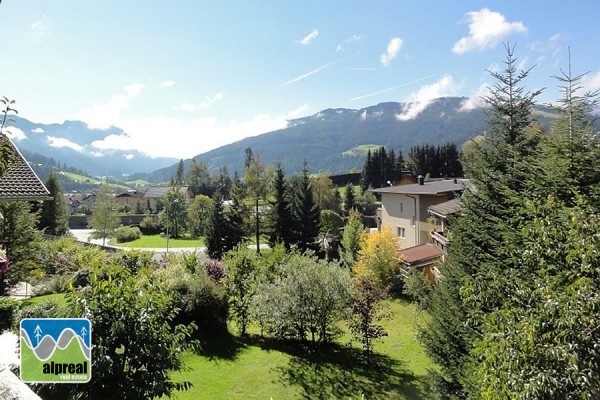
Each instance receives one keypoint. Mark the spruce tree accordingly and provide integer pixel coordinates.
(217, 229)
(542, 341)
(281, 220)
(481, 251)
(306, 213)
(53, 218)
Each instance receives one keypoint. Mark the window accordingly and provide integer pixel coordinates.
(401, 208)
(401, 232)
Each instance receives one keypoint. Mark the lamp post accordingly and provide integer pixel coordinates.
(169, 206)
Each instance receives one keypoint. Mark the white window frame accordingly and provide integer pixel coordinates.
(401, 231)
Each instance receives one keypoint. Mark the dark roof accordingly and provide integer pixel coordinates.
(161, 191)
(20, 182)
(418, 255)
(428, 187)
(446, 208)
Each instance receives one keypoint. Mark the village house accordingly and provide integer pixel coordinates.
(155, 193)
(417, 214)
(130, 198)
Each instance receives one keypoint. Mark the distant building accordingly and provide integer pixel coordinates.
(156, 193)
(130, 198)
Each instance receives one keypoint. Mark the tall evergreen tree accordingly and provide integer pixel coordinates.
(178, 180)
(541, 342)
(480, 255)
(306, 213)
(217, 229)
(53, 217)
(349, 199)
(21, 241)
(256, 181)
(281, 220)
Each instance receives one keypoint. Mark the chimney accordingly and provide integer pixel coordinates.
(420, 180)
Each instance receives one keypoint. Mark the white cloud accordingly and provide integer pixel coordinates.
(309, 38)
(103, 116)
(41, 28)
(172, 137)
(206, 103)
(351, 39)
(591, 82)
(15, 133)
(393, 48)
(421, 99)
(62, 142)
(486, 29)
(299, 112)
(129, 156)
(475, 101)
(167, 84)
(37, 130)
(185, 107)
(209, 101)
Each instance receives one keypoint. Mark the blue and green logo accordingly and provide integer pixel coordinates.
(56, 350)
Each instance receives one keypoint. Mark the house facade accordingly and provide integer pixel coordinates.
(405, 208)
(418, 214)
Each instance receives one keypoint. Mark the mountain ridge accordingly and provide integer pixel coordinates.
(330, 140)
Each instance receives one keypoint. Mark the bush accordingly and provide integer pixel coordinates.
(199, 298)
(45, 309)
(214, 269)
(127, 234)
(418, 287)
(8, 308)
(149, 227)
(135, 260)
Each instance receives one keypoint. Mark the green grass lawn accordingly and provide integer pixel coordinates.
(254, 368)
(156, 241)
(58, 297)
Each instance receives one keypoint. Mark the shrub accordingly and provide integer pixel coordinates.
(197, 296)
(148, 226)
(8, 308)
(214, 269)
(418, 287)
(127, 234)
(135, 260)
(45, 309)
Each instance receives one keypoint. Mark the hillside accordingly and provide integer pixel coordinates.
(336, 140)
(333, 140)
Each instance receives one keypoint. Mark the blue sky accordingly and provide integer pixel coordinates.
(184, 77)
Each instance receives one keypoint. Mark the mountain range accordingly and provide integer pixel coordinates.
(332, 140)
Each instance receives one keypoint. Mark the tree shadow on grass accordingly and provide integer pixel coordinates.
(218, 344)
(340, 372)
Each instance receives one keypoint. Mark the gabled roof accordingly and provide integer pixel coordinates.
(161, 191)
(20, 182)
(428, 187)
(446, 208)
